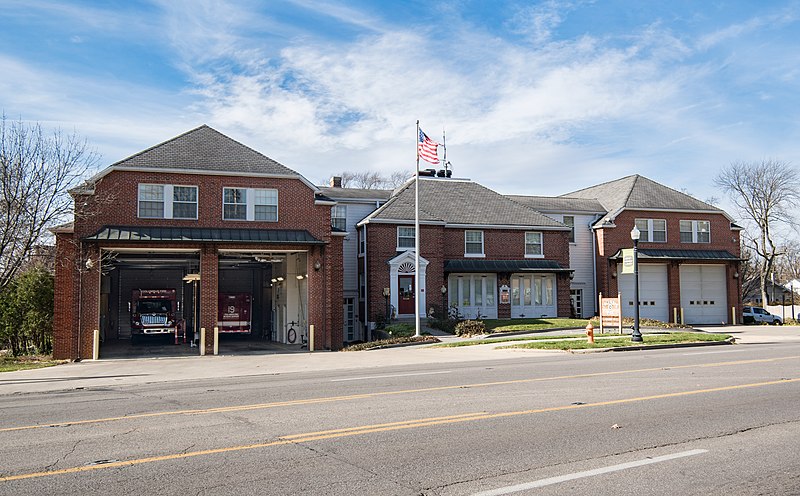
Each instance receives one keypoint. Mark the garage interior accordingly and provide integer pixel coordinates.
(272, 283)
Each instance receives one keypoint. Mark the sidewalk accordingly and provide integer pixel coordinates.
(124, 372)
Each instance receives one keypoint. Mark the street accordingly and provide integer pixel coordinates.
(713, 420)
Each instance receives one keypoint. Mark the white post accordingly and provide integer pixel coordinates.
(311, 337)
(216, 340)
(95, 344)
(202, 341)
(600, 306)
(681, 315)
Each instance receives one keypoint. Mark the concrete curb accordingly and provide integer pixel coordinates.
(656, 346)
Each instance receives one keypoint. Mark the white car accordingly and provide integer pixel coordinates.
(759, 315)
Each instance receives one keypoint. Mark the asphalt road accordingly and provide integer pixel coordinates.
(717, 420)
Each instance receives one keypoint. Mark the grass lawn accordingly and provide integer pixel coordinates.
(508, 325)
(621, 341)
(11, 364)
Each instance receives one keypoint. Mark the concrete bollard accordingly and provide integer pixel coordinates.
(95, 344)
(216, 340)
(311, 337)
(202, 341)
(590, 332)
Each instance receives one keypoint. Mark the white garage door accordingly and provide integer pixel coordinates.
(703, 294)
(653, 295)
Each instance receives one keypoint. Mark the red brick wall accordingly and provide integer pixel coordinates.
(115, 202)
(438, 244)
(610, 240)
(65, 304)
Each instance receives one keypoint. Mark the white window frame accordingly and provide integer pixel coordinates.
(540, 244)
(339, 213)
(167, 199)
(647, 229)
(406, 237)
(251, 202)
(362, 240)
(570, 224)
(695, 231)
(467, 242)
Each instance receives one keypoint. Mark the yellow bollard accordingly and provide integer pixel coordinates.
(590, 332)
(202, 341)
(311, 337)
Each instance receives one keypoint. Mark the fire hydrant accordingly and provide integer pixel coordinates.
(590, 332)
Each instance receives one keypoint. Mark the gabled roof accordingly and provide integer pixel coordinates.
(640, 193)
(202, 150)
(457, 201)
(356, 193)
(560, 204)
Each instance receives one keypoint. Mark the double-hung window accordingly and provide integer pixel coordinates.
(652, 230)
(339, 217)
(234, 204)
(405, 238)
(167, 201)
(533, 245)
(695, 231)
(569, 220)
(473, 243)
(250, 204)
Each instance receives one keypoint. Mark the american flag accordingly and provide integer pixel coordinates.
(426, 148)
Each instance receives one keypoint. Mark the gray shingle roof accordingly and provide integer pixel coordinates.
(560, 204)
(205, 149)
(454, 201)
(638, 192)
(355, 193)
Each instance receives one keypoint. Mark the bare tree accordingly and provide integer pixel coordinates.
(372, 179)
(763, 193)
(36, 171)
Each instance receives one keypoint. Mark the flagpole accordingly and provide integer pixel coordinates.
(416, 241)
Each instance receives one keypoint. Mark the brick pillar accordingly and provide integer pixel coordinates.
(316, 296)
(90, 299)
(563, 301)
(65, 322)
(674, 289)
(503, 309)
(209, 286)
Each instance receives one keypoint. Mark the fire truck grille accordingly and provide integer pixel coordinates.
(154, 319)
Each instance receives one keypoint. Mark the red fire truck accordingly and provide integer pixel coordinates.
(234, 313)
(153, 311)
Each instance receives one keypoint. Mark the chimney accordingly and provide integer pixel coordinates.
(336, 182)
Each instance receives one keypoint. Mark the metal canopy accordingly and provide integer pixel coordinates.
(720, 255)
(503, 266)
(197, 234)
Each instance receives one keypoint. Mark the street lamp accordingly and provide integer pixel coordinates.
(636, 336)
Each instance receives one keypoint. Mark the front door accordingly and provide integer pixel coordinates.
(406, 297)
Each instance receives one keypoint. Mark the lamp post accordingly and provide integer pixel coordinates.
(636, 336)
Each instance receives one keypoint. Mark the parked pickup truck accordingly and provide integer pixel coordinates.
(751, 315)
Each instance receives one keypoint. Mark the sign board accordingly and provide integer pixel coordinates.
(610, 313)
(504, 295)
(627, 260)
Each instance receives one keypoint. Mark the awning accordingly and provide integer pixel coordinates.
(503, 266)
(197, 234)
(710, 255)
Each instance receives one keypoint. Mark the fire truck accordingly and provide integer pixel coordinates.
(153, 311)
(234, 313)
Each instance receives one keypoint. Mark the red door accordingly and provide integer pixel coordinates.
(405, 297)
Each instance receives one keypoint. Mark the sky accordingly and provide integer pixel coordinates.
(537, 98)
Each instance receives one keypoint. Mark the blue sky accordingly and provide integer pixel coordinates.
(536, 97)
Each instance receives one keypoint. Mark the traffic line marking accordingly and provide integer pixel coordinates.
(588, 473)
(386, 427)
(329, 399)
(389, 376)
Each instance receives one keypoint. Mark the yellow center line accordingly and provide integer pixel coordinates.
(329, 399)
(393, 426)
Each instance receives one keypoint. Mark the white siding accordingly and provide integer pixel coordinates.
(581, 259)
(355, 212)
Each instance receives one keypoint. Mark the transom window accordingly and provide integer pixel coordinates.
(405, 238)
(533, 244)
(652, 230)
(167, 201)
(250, 204)
(695, 231)
(473, 243)
(339, 217)
(569, 220)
